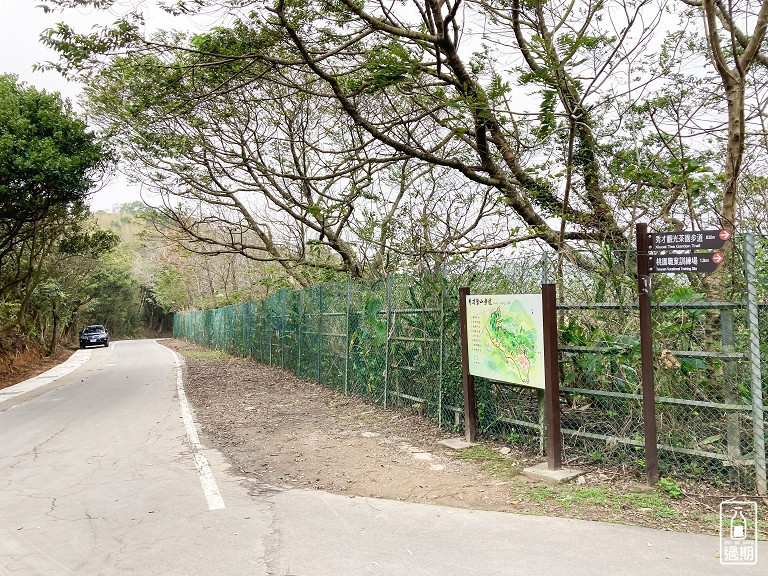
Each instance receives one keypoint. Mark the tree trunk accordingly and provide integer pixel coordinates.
(716, 283)
(734, 153)
(55, 336)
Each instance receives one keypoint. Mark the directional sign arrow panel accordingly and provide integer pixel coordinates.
(696, 263)
(689, 240)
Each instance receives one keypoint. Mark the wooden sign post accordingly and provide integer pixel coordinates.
(512, 339)
(470, 403)
(673, 263)
(552, 378)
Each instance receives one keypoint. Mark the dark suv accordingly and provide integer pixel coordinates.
(95, 335)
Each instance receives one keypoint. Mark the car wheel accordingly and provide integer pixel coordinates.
(82, 346)
(106, 344)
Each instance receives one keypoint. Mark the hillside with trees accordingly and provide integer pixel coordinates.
(300, 142)
(167, 275)
(51, 254)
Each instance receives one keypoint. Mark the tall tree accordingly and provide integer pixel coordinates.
(733, 52)
(266, 165)
(550, 106)
(407, 83)
(49, 163)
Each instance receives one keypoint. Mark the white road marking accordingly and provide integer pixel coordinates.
(76, 360)
(210, 488)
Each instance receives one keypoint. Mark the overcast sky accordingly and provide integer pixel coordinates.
(21, 23)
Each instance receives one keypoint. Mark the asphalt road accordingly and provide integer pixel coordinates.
(100, 474)
(97, 477)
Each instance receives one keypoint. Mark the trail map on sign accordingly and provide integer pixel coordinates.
(505, 338)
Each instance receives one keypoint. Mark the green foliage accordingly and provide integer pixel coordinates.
(80, 52)
(614, 365)
(49, 163)
(547, 118)
(170, 288)
(9, 310)
(368, 333)
(94, 242)
(241, 38)
(385, 66)
(48, 158)
(498, 88)
(116, 299)
(670, 487)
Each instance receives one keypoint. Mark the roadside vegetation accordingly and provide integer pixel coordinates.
(54, 262)
(605, 495)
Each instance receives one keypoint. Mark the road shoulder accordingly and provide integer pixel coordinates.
(49, 380)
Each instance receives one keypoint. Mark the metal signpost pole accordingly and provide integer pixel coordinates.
(646, 355)
(758, 417)
(551, 378)
(470, 404)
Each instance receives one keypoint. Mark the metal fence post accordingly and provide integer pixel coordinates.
(268, 318)
(300, 326)
(758, 417)
(319, 331)
(262, 335)
(346, 343)
(281, 336)
(387, 346)
(248, 326)
(244, 327)
(730, 388)
(442, 352)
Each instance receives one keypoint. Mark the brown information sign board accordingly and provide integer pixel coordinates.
(675, 263)
(689, 240)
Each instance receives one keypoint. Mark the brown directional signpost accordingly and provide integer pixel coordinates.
(674, 263)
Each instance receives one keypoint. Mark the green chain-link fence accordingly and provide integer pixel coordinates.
(395, 342)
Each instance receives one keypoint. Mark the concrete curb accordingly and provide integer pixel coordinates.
(77, 359)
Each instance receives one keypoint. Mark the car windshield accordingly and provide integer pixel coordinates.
(93, 329)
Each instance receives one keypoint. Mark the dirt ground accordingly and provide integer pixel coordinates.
(282, 431)
(19, 365)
